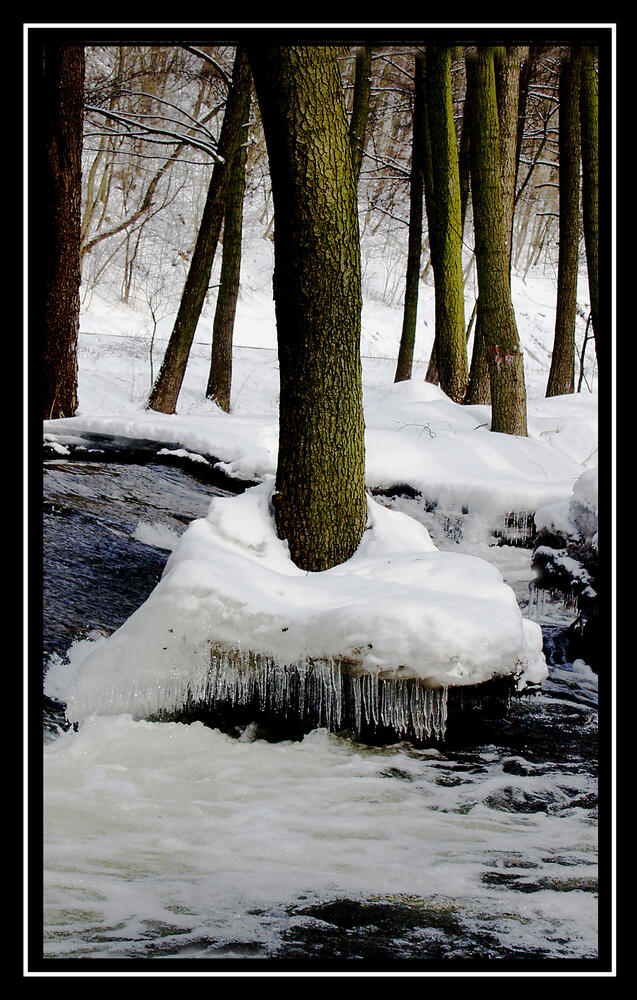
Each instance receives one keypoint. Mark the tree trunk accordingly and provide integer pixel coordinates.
(495, 309)
(414, 245)
(451, 346)
(433, 375)
(60, 166)
(464, 166)
(507, 85)
(360, 107)
(167, 387)
(220, 375)
(319, 501)
(507, 68)
(479, 385)
(590, 181)
(526, 75)
(561, 379)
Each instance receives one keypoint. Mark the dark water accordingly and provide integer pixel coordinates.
(97, 572)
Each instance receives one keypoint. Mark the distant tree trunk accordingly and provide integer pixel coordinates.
(526, 75)
(464, 164)
(507, 67)
(589, 116)
(360, 107)
(451, 354)
(414, 245)
(62, 97)
(495, 308)
(479, 385)
(319, 500)
(220, 375)
(433, 375)
(167, 387)
(561, 379)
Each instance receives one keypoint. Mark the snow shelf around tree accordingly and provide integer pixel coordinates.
(232, 615)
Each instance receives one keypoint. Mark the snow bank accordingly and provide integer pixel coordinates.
(415, 435)
(575, 518)
(398, 608)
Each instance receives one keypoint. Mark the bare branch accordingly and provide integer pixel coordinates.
(212, 62)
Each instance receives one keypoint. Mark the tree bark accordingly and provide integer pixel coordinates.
(433, 375)
(319, 501)
(464, 165)
(507, 86)
(62, 94)
(165, 392)
(495, 308)
(451, 346)
(589, 115)
(414, 243)
(360, 107)
(561, 378)
(507, 67)
(527, 71)
(220, 375)
(479, 385)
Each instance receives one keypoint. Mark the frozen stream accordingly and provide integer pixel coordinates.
(172, 841)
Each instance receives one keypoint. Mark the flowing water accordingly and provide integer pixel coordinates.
(172, 841)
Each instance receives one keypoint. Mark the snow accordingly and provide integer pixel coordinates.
(400, 607)
(576, 517)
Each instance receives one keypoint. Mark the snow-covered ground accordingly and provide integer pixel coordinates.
(414, 433)
(444, 616)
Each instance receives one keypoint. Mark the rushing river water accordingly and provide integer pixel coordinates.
(170, 841)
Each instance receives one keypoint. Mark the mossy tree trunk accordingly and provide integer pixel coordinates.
(561, 378)
(165, 392)
(495, 308)
(319, 500)
(61, 100)
(507, 64)
(589, 117)
(507, 86)
(414, 243)
(220, 375)
(451, 348)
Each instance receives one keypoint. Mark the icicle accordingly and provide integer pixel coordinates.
(322, 693)
(356, 688)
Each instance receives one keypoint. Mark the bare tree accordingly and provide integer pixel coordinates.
(166, 390)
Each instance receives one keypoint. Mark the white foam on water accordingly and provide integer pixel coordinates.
(177, 837)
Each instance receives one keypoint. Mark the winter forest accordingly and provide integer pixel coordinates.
(319, 324)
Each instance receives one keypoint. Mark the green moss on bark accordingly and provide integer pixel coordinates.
(319, 503)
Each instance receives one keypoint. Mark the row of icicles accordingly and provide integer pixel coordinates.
(326, 695)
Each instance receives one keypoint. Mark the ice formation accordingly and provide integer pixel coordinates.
(393, 627)
(326, 694)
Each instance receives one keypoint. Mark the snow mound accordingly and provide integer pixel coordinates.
(575, 518)
(399, 608)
